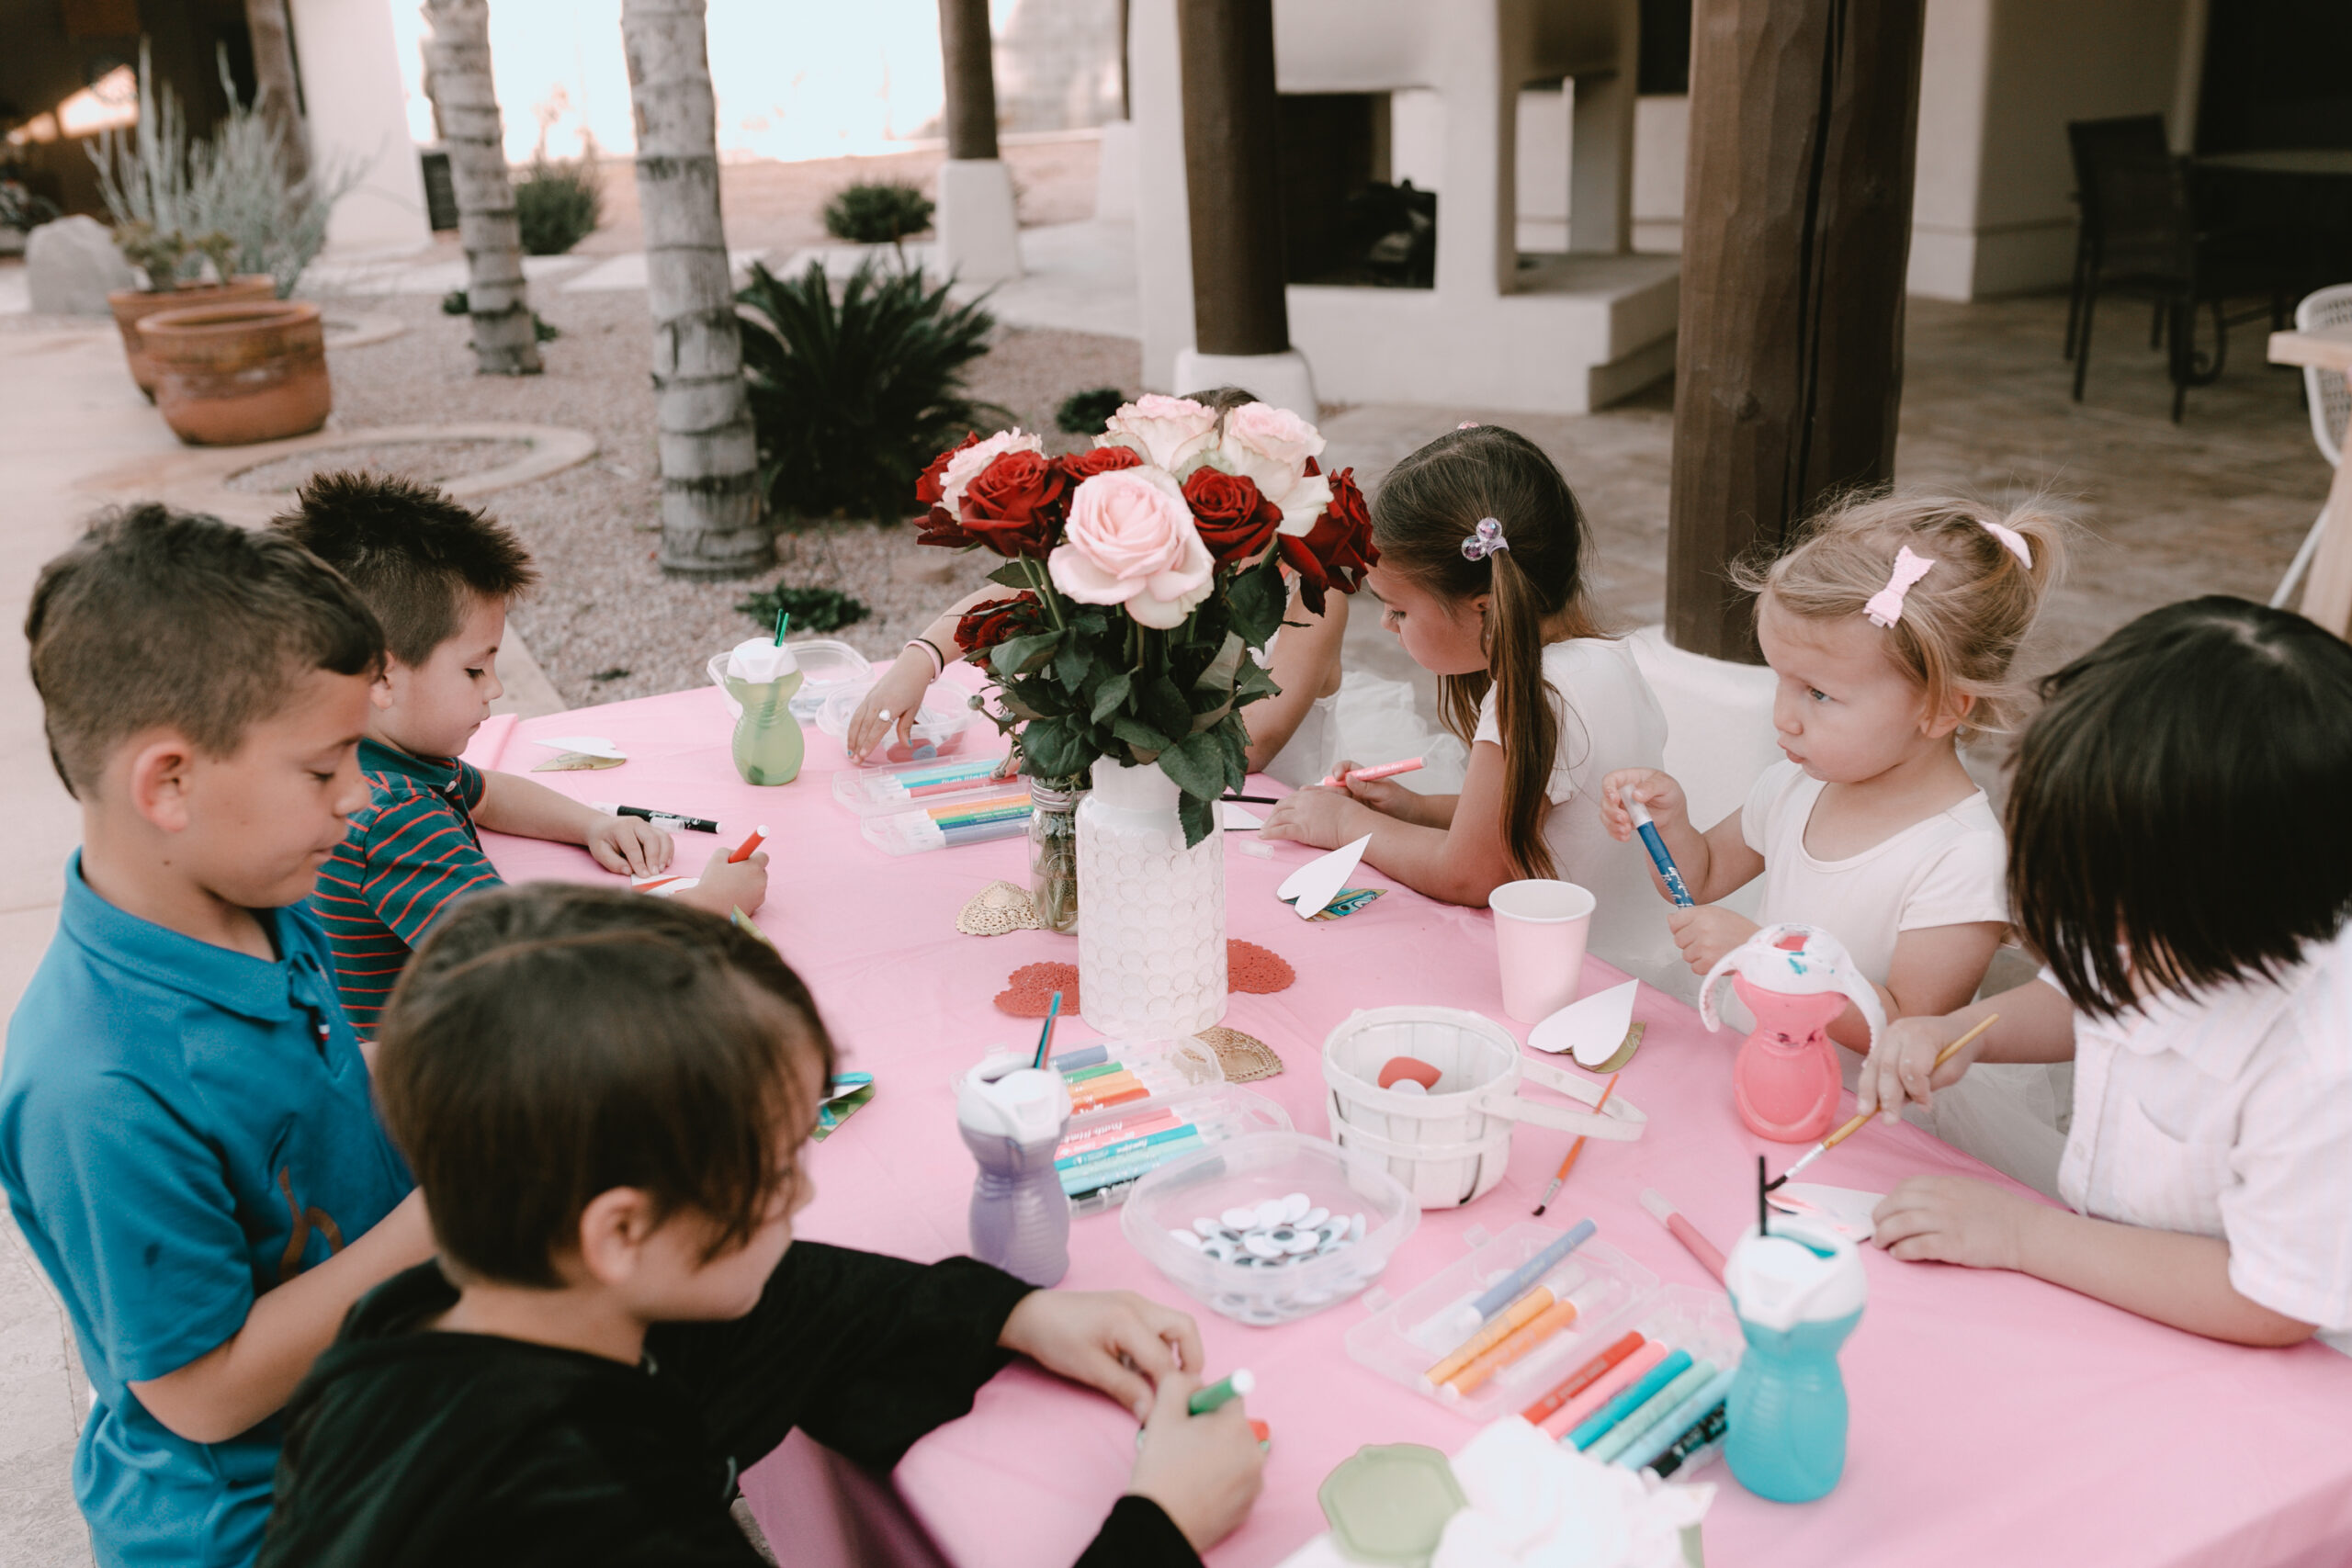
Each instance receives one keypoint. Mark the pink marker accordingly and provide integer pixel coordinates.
(1697, 1246)
(1386, 771)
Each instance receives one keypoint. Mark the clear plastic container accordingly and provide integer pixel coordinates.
(824, 664)
(1109, 1156)
(1404, 1338)
(977, 818)
(1255, 1169)
(938, 729)
(878, 792)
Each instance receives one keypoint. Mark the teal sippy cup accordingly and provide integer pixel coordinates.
(1799, 1292)
(762, 676)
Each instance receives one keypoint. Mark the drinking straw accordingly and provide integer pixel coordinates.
(1045, 1035)
(1854, 1127)
(1575, 1149)
(783, 619)
(1763, 1205)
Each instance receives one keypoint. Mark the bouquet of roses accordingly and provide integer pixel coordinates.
(1143, 573)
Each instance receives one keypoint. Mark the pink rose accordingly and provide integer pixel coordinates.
(1275, 448)
(964, 463)
(1168, 432)
(1130, 540)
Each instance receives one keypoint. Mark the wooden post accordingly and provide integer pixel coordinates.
(963, 44)
(1225, 52)
(1795, 237)
(278, 89)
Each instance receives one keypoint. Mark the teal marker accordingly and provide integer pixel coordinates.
(1207, 1399)
(1596, 1425)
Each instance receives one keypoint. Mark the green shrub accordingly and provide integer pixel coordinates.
(558, 204)
(813, 609)
(454, 303)
(852, 396)
(1084, 413)
(876, 212)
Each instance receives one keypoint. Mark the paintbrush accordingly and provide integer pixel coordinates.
(1045, 1035)
(1575, 1149)
(1854, 1127)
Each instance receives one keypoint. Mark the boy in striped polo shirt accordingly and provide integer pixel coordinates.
(439, 577)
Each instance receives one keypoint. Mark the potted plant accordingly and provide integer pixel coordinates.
(1140, 577)
(213, 222)
(230, 374)
(21, 211)
(161, 258)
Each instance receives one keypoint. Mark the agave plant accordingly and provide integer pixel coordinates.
(852, 393)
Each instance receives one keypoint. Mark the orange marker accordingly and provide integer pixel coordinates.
(742, 851)
(1604, 1387)
(1583, 1377)
(1553, 1319)
(1508, 1322)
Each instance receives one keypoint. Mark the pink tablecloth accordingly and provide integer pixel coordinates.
(1994, 1417)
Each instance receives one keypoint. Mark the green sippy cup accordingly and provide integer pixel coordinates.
(762, 676)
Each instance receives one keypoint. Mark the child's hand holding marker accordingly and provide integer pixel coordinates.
(1204, 1468)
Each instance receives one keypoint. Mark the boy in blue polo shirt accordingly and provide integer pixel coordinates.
(440, 576)
(186, 1135)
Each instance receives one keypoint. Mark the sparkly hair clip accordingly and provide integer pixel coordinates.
(1885, 606)
(2013, 542)
(1483, 540)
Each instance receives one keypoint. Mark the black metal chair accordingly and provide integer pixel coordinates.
(2140, 237)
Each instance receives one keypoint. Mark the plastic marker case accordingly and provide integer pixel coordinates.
(907, 787)
(1118, 1138)
(1406, 1336)
(968, 819)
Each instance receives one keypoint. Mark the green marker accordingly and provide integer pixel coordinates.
(1207, 1399)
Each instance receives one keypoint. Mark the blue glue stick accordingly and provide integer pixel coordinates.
(1669, 872)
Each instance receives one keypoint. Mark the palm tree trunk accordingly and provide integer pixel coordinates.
(279, 94)
(465, 105)
(711, 506)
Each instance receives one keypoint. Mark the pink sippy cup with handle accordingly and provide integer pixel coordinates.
(1795, 980)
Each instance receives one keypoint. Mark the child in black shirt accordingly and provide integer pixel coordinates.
(603, 1097)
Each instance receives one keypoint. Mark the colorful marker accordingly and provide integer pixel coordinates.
(742, 851)
(1653, 1410)
(1683, 1231)
(1645, 1450)
(1695, 1444)
(1667, 871)
(669, 820)
(1583, 1377)
(1604, 1389)
(1207, 1399)
(1386, 771)
(1553, 1319)
(1517, 1283)
(1596, 1426)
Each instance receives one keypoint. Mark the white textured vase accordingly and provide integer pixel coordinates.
(1150, 912)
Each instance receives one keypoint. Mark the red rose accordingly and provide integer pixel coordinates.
(1083, 466)
(998, 620)
(1337, 550)
(937, 525)
(1233, 517)
(1014, 505)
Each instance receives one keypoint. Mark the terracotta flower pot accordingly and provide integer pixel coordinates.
(231, 375)
(132, 306)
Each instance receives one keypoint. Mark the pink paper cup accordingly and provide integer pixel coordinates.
(1540, 929)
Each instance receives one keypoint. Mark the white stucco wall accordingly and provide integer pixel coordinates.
(351, 92)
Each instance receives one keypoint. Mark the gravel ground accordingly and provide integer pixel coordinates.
(606, 624)
(432, 461)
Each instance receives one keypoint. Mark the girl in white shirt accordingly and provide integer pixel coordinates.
(1480, 575)
(1892, 628)
(2182, 859)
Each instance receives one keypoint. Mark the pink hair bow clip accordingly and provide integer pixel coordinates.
(1483, 540)
(1885, 606)
(2013, 542)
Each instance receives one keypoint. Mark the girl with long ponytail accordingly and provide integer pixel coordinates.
(1482, 545)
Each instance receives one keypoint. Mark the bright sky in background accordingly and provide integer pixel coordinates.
(793, 78)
